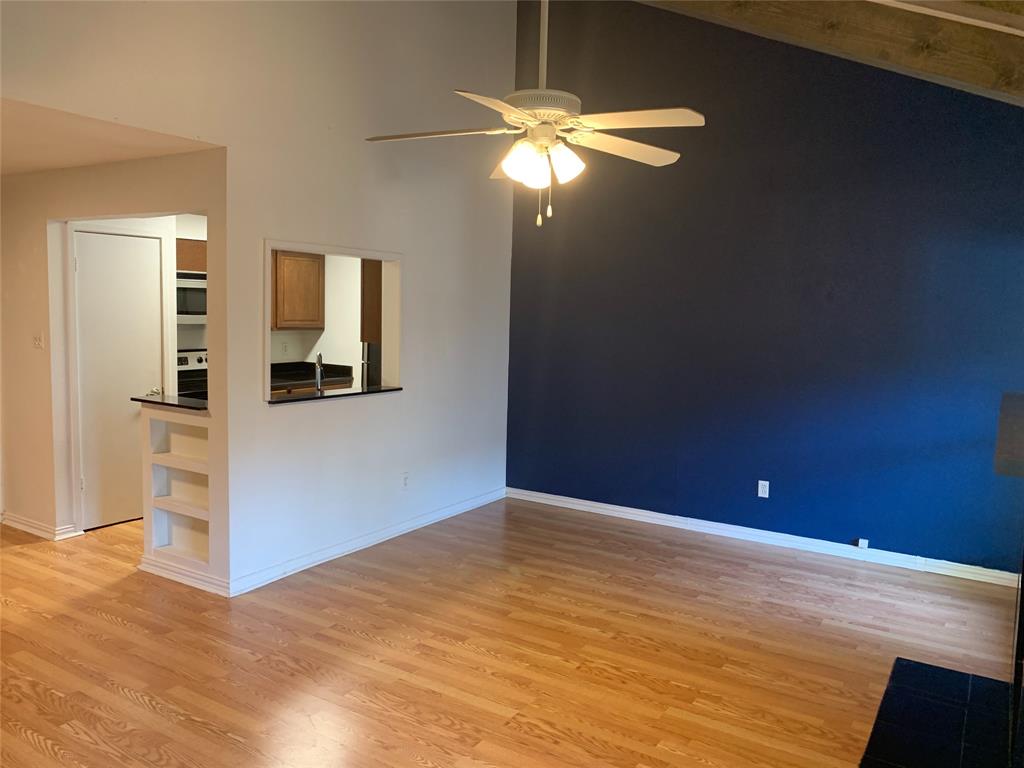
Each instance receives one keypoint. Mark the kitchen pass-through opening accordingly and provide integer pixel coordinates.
(333, 322)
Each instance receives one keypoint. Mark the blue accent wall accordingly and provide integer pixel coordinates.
(826, 292)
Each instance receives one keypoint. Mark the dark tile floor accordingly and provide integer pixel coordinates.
(931, 717)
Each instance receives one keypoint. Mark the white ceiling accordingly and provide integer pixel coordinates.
(34, 138)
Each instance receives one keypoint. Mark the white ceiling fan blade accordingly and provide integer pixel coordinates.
(679, 117)
(499, 106)
(616, 145)
(438, 134)
(498, 172)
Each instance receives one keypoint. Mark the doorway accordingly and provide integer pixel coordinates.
(120, 278)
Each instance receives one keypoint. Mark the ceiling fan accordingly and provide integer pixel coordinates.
(551, 121)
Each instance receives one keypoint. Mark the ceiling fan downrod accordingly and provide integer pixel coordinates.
(542, 83)
(542, 64)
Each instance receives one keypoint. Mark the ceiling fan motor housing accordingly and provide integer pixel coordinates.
(545, 104)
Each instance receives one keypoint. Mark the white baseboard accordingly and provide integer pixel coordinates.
(42, 530)
(881, 556)
(263, 576)
(184, 575)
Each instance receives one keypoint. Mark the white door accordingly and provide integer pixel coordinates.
(119, 355)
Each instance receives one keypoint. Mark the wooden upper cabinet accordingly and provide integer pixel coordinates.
(371, 301)
(190, 255)
(298, 291)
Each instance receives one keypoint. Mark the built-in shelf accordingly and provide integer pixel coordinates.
(178, 521)
(181, 461)
(191, 319)
(181, 507)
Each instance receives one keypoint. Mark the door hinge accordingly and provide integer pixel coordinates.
(81, 484)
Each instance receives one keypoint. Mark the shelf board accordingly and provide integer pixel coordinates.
(181, 507)
(181, 461)
(191, 319)
(182, 556)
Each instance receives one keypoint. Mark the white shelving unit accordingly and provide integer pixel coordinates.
(176, 489)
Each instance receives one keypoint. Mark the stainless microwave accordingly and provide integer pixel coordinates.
(191, 293)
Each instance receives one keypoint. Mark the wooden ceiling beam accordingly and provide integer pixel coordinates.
(976, 58)
(1003, 17)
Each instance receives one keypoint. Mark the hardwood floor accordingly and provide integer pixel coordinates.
(513, 636)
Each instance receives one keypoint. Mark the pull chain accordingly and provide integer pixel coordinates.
(550, 209)
(540, 220)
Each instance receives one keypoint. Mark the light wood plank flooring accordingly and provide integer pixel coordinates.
(516, 636)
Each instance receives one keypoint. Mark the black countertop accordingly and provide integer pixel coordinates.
(285, 377)
(301, 374)
(187, 403)
(326, 394)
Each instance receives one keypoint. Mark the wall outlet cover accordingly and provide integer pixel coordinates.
(862, 543)
(762, 489)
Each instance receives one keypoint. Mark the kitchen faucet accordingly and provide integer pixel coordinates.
(319, 372)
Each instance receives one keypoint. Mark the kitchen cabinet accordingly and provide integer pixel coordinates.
(191, 255)
(298, 291)
(371, 296)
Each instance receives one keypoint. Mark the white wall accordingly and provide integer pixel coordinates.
(292, 89)
(190, 226)
(291, 346)
(61, 517)
(391, 323)
(339, 343)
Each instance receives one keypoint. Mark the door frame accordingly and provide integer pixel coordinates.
(161, 229)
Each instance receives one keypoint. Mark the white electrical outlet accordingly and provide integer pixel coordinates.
(762, 489)
(284, 346)
(862, 543)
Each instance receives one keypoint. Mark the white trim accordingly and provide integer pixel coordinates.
(66, 531)
(182, 574)
(271, 573)
(71, 376)
(42, 530)
(849, 551)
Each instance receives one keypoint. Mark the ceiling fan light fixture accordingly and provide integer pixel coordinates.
(566, 163)
(550, 120)
(528, 164)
